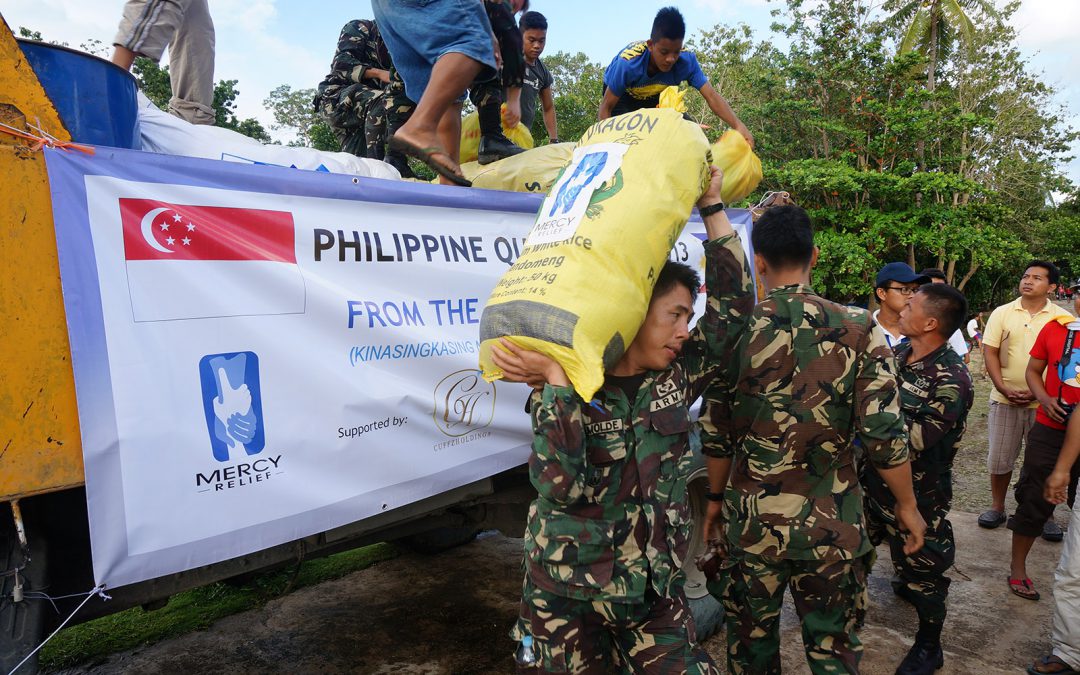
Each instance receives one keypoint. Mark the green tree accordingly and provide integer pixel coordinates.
(153, 80)
(225, 93)
(933, 27)
(294, 111)
(577, 89)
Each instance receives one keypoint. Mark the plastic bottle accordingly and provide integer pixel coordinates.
(525, 654)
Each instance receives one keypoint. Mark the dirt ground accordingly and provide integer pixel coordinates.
(449, 614)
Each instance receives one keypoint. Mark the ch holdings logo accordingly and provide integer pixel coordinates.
(464, 402)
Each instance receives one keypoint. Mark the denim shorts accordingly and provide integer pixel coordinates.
(419, 32)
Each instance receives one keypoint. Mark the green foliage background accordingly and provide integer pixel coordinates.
(945, 155)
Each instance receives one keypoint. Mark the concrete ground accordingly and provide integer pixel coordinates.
(449, 614)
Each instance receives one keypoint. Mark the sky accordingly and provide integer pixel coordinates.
(266, 43)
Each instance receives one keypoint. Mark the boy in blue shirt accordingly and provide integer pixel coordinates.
(642, 70)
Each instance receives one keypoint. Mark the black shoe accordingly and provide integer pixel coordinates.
(494, 148)
(991, 519)
(1052, 531)
(922, 659)
(401, 164)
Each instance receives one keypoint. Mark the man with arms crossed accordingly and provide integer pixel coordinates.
(1007, 341)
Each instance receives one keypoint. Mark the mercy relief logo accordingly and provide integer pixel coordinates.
(565, 205)
(232, 401)
(464, 403)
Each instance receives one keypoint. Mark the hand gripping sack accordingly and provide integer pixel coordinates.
(741, 167)
(581, 286)
(470, 136)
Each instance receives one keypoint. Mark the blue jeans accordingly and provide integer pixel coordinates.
(419, 32)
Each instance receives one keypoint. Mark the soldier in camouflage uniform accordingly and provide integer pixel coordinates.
(935, 396)
(805, 378)
(363, 98)
(488, 95)
(611, 526)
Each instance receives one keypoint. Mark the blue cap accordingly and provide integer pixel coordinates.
(901, 272)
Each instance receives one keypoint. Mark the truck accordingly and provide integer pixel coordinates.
(45, 523)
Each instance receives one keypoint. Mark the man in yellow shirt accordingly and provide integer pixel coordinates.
(1008, 339)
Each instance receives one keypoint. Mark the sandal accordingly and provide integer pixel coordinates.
(427, 156)
(1023, 588)
(1051, 665)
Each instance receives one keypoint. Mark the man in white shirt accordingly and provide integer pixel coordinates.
(896, 283)
(956, 340)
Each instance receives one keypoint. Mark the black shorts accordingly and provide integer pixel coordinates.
(1040, 456)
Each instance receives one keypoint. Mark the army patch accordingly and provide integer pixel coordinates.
(667, 401)
(915, 388)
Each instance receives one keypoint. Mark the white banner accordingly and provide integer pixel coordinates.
(263, 354)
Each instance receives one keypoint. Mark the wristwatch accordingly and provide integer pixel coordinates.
(714, 496)
(711, 209)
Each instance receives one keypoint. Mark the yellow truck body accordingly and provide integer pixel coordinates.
(40, 450)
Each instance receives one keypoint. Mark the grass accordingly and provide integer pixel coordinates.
(197, 609)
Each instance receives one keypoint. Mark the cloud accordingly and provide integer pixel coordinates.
(70, 21)
(1042, 23)
(249, 16)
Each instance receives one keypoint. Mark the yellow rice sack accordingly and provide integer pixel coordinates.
(581, 287)
(673, 98)
(530, 171)
(741, 167)
(470, 136)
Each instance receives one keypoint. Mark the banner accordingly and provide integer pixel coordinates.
(262, 354)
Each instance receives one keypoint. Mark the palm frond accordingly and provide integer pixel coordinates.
(902, 16)
(959, 23)
(918, 32)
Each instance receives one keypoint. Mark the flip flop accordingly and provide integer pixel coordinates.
(1024, 588)
(427, 156)
(1042, 666)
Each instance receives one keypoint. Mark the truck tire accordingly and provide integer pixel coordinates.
(22, 624)
(707, 611)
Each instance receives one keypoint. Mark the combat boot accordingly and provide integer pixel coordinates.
(923, 658)
(493, 148)
(399, 162)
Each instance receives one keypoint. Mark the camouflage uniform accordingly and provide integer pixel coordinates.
(935, 395)
(362, 111)
(487, 96)
(804, 380)
(610, 529)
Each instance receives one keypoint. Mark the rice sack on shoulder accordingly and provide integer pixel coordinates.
(581, 287)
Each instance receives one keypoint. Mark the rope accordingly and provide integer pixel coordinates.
(97, 590)
(45, 140)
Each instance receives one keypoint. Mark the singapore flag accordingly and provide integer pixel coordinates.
(197, 262)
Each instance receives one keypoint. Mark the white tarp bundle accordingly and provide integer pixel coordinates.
(169, 135)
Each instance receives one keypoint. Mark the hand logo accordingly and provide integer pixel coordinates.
(233, 409)
(232, 403)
